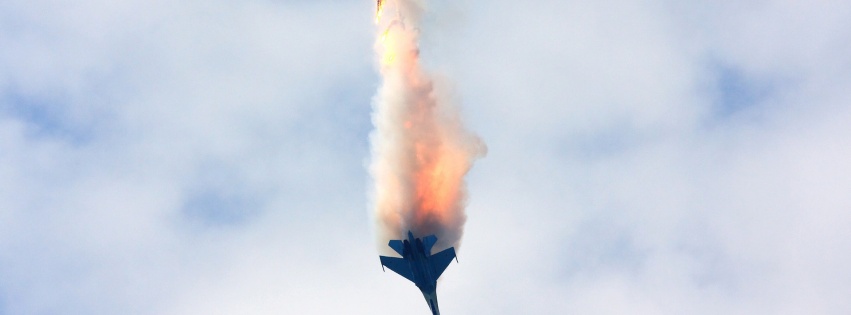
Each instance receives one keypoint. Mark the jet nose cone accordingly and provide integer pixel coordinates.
(431, 299)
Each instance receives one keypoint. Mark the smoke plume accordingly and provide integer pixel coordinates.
(420, 148)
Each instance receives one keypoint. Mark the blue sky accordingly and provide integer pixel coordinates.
(650, 157)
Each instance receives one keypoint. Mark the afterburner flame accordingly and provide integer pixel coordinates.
(421, 151)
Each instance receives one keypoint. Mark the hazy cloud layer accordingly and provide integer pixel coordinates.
(647, 157)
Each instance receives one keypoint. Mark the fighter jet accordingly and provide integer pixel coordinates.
(419, 265)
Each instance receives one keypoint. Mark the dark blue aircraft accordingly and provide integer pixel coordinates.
(419, 265)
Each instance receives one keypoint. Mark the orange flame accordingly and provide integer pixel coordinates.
(421, 152)
(378, 10)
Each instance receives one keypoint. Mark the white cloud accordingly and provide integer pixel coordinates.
(612, 183)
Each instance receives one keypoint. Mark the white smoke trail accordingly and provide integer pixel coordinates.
(420, 149)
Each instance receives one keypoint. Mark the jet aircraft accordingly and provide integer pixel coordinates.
(419, 265)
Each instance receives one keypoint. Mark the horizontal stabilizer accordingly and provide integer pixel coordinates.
(398, 246)
(428, 243)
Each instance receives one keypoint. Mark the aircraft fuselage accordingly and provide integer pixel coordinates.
(419, 266)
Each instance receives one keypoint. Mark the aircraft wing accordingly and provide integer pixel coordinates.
(442, 260)
(398, 265)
